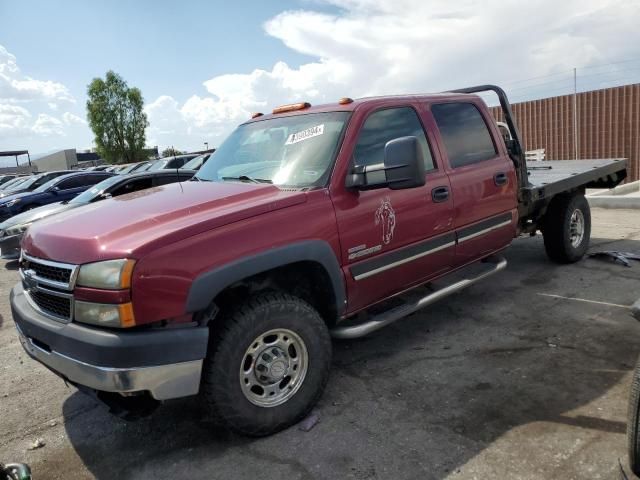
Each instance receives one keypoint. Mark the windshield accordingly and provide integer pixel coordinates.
(195, 163)
(96, 191)
(30, 181)
(157, 165)
(46, 185)
(296, 151)
(11, 183)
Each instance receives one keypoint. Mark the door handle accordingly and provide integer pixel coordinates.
(500, 179)
(440, 194)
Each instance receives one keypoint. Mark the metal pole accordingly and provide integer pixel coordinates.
(29, 157)
(575, 113)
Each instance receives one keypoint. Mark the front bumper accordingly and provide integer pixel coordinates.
(10, 247)
(165, 362)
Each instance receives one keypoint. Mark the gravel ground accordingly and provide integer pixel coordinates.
(512, 378)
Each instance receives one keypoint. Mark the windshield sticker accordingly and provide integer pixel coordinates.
(305, 134)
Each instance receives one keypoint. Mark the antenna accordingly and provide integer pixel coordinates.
(177, 173)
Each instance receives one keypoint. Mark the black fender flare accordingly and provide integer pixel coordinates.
(209, 284)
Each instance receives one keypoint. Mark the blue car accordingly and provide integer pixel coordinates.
(58, 189)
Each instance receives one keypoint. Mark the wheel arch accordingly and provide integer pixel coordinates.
(313, 257)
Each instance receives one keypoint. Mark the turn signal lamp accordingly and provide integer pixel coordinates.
(345, 101)
(291, 107)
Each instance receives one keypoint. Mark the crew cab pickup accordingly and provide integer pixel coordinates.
(230, 285)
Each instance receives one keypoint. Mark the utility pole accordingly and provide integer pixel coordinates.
(575, 113)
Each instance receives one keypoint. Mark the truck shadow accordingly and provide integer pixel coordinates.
(500, 362)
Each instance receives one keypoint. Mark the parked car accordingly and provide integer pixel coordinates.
(57, 189)
(301, 226)
(196, 162)
(11, 230)
(33, 182)
(13, 183)
(171, 162)
(6, 178)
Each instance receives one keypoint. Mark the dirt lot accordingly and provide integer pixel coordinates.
(513, 378)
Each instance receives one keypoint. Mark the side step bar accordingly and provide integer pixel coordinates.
(390, 316)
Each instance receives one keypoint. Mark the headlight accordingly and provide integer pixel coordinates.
(11, 203)
(111, 274)
(17, 229)
(104, 315)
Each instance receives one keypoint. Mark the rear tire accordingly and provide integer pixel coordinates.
(567, 228)
(633, 425)
(268, 364)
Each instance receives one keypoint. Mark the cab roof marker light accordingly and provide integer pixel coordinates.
(345, 101)
(256, 115)
(291, 107)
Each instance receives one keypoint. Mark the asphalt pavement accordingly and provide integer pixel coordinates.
(524, 376)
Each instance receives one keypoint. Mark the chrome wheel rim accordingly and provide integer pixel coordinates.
(273, 368)
(576, 228)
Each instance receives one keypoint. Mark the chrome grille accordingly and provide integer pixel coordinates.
(48, 286)
(52, 304)
(57, 274)
(47, 272)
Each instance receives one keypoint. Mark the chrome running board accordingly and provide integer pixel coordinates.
(383, 319)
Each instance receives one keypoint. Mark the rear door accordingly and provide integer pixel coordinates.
(482, 179)
(392, 239)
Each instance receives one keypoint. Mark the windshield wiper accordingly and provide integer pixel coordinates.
(245, 178)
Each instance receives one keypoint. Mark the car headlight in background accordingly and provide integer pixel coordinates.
(17, 229)
(11, 203)
(110, 274)
(104, 315)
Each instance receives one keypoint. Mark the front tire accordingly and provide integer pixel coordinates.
(268, 364)
(567, 228)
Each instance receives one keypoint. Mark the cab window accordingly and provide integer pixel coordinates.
(464, 132)
(389, 124)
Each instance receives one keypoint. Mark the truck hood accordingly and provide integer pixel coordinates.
(135, 224)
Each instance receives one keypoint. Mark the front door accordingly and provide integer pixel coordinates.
(393, 239)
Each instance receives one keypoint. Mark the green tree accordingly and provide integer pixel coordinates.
(116, 116)
(170, 152)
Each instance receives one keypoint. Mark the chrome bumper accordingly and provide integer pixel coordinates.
(162, 381)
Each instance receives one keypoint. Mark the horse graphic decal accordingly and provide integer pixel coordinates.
(386, 216)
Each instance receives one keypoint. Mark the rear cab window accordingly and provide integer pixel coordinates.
(466, 137)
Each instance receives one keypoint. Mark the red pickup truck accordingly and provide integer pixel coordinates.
(231, 285)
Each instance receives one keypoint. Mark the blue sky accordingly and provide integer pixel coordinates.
(203, 67)
(159, 46)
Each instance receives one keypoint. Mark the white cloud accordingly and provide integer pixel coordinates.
(405, 46)
(71, 119)
(14, 121)
(16, 87)
(47, 125)
(24, 103)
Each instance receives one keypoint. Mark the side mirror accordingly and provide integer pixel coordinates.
(403, 167)
(55, 190)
